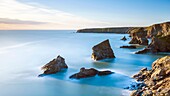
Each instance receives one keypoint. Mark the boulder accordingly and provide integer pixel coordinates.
(157, 79)
(124, 38)
(130, 47)
(85, 73)
(102, 50)
(55, 65)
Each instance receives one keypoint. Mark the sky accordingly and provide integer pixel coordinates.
(78, 14)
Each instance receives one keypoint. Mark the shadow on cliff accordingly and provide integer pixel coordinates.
(112, 80)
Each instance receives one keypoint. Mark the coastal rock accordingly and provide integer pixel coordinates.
(124, 38)
(55, 65)
(130, 47)
(84, 73)
(141, 41)
(102, 51)
(101, 73)
(160, 44)
(160, 34)
(157, 79)
(146, 50)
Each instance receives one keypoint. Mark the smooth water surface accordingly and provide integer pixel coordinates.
(23, 53)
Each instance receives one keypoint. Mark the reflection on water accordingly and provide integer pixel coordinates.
(22, 53)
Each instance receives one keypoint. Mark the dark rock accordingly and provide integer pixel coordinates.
(143, 41)
(124, 38)
(160, 44)
(146, 50)
(130, 47)
(101, 73)
(102, 51)
(84, 73)
(54, 66)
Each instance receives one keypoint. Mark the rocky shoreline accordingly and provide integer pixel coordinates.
(156, 80)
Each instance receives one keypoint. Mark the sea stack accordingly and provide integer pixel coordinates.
(157, 79)
(102, 50)
(55, 65)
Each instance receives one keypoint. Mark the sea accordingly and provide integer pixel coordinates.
(24, 52)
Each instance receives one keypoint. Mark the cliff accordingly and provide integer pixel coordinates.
(160, 34)
(119, 30)
(157, 79)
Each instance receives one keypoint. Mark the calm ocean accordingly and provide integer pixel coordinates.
(23, 53)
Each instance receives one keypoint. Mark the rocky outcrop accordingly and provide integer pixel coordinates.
(55, 65)
(119, 30)
(130, 47)
(146, 50)
(139, 36)
(84, 73)
(160, 44)
(102, 50)
(160, 34)
(157, 79)
(124, 38)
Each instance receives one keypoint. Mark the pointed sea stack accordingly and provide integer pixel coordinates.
(102, 51)
(55, 65)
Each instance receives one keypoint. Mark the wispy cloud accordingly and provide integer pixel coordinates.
(16, 21)
(15, 12)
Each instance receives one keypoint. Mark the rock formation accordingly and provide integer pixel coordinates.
(160, 34)
(102, 51)
(55, 65)
(160, 44)
(124, 38)
(157, 79)
(84, 73)
(146, 50)
(130, 47)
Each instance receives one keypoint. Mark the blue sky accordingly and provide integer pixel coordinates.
(94, 13)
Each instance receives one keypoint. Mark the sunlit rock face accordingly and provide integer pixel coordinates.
(55, 65)
(160, 34)
(157, 79)
(102, 50)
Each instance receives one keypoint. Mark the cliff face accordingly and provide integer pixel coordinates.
(151, 31)
(157, 79)
(160, 34)
(120, 30)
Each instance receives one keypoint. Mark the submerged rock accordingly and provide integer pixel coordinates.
(130, 47)
(124, 38)
(84, 73)
(102, 51)
(157, 79)
(55, 65)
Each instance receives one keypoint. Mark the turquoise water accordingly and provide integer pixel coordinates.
(23, 53)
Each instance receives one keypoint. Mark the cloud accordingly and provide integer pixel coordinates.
(18, 12)
(16, 21)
